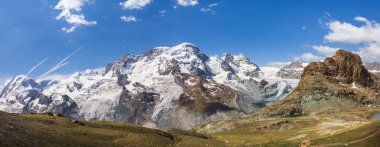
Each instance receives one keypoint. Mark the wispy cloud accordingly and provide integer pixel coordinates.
(209, 8)
(34, 67)
(71, 12)
(308, 57)
(59, 65)
(128, 18)
(162, 13)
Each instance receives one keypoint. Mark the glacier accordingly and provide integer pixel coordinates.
(166, 87)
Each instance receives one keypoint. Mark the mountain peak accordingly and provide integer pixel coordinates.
(165, 86)
(186, 44)
(346, 67)
(372, 66)
(294, 65)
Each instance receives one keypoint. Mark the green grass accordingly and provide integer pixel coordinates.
(355, 135)
(295, 115)
(45, 130)
(318, 130)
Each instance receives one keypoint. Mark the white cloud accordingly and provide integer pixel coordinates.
(209, 8)
(322, 52)
(308, 57)
(128, 18)
(162, 13)
(54, 77)
(326, 17)
(135, 4)
(370, 52)
(366, 34)
(325, 50)
(61, 64)
(362, 19)
(344, 32)
(187, 3)
(71, 12)
(278, 64)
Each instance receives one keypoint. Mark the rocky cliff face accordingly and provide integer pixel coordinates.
(344, 67)
(340, 81)
(166, 87)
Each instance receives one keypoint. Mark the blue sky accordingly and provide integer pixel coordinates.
(264, 30)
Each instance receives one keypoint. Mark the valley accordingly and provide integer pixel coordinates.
(189, 73)
(51, 129)
(309, 130)
(212, 101)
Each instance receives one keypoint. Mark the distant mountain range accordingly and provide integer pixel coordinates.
(170, 87)
(373, 67)
(334, 102)
(166, 87)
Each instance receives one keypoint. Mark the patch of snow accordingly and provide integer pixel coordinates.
(97, 92)
(353, 85)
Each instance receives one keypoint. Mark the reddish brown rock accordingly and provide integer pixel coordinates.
(340, 81)
(344, 67)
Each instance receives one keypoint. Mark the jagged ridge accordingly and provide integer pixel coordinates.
(166, 87)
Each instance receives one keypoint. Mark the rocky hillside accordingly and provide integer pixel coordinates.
(336, 103)
(339, 82)
(166, 87)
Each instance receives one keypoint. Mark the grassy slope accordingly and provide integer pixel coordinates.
(320, 130)
(46, 130)
(367, 135)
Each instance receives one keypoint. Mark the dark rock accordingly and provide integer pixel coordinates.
(77, 122)
(205, 99)
(168, 67)
(122, 80)
(55, 114)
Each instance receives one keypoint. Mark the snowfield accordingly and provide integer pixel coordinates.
(144, 89)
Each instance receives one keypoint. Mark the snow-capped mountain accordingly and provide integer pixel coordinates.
(292, 71)
(373, 67)
(166, 87)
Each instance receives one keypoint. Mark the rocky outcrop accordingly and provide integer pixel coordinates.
(339, 81)
(237, 64)
(205, 97)
(344, 67)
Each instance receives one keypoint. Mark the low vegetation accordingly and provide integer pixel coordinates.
(317, 129)
(54, 130)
